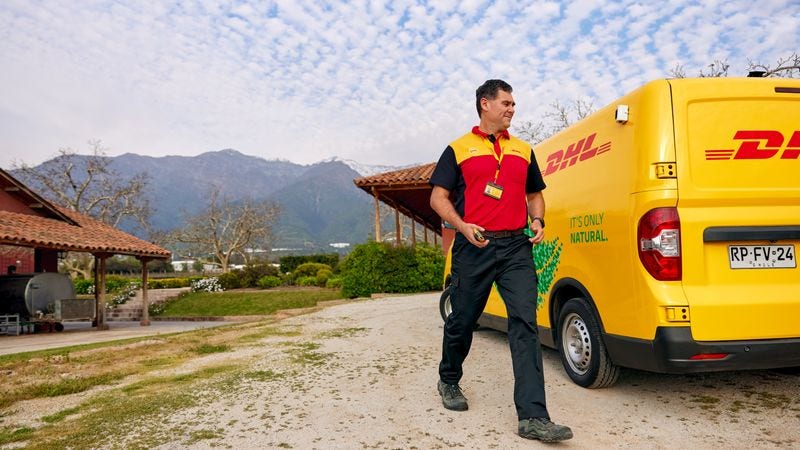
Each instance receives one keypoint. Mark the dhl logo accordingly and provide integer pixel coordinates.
(752, 148)
(577, 151)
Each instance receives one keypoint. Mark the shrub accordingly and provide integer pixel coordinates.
(170, 283)
(379, 267)
(84, 286)
(269, 281)
(429, 267)
(230, 280)
(115, 283)
(306, 281)
(250, 275)
(334, 283)
(322, 277)
(309, 270)
(360, 273)
(290, 263)
(155, 309)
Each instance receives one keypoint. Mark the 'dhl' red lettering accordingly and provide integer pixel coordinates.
(749, 149)
(793, 147)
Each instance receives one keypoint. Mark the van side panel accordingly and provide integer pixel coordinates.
(590, 200)
(738, 152)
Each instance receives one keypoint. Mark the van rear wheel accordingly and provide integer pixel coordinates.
(581, 347)
(445, 307)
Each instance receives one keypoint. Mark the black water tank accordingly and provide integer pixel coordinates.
(31, 294)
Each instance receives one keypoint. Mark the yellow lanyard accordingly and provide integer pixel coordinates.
(495, 150)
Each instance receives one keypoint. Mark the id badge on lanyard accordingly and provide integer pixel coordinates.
(493, 189)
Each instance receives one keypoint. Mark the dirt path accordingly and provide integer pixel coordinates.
(363, 374)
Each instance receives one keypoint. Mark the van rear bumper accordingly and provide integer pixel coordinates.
(672, 347)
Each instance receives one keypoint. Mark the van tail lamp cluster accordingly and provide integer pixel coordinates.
(659, 238)
(707, 356)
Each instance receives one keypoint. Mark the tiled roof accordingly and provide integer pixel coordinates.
(410, 176)
(89, 235)
(47, 226)
(407, 190)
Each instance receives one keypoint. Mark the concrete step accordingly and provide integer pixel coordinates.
(132, 309)
(124, 319)
(120, 314)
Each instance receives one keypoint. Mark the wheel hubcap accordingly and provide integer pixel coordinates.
(448, 307)
(576, 343)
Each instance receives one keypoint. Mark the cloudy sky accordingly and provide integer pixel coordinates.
(380, 82)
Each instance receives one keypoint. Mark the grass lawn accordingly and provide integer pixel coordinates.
(246, 303)
(111, 414)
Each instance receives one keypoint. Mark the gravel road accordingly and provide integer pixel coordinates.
(363, 375)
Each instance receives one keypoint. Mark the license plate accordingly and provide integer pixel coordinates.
(761, 256)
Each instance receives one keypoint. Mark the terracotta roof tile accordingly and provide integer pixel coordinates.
(408, 190)
(89, 235)
(408, 176)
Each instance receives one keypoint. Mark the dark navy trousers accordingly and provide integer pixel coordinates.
(508, 263)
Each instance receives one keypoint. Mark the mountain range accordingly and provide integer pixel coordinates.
(320, 204)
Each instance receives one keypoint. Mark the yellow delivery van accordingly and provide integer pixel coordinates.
(673, 224)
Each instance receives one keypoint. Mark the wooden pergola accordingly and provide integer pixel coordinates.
(408, 192)
(28, 220)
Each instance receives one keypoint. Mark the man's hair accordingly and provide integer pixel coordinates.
(488, 90)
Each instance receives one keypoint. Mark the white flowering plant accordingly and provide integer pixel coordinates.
(123, 295)
(207, 285)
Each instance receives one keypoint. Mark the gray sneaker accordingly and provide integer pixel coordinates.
(452, 398)
(542, 429)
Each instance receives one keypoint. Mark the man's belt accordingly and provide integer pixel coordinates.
(502, 233)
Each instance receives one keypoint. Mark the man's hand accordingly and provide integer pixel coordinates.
(472, 232)
(538, 232)
(440, 202)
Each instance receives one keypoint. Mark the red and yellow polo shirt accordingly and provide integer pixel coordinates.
(475, 159)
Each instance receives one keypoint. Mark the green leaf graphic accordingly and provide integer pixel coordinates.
(546, 256)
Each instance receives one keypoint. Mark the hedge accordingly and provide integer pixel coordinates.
(379, 267)
(290, 263)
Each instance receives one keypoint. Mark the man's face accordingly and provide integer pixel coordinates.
(498, 112)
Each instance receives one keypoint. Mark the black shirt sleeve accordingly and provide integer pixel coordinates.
(446, 172)
(535, 182)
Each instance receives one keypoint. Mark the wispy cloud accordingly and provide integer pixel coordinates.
(387, 82)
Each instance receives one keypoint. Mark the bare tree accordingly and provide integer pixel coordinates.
(678, 71)
(78, 265)
(87, 184)
(562, 116)
(788, 67)
(226, 228)
(558, 118)
(718, 68)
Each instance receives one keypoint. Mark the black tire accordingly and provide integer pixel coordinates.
(59, 326)
(581, 347)
(445, 307)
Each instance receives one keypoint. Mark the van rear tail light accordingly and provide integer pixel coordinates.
(659, 238)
